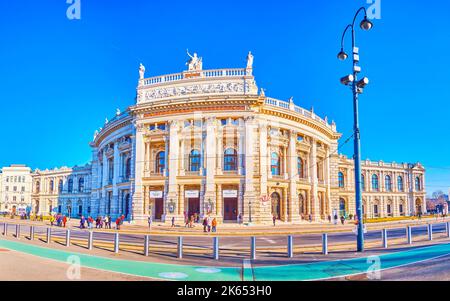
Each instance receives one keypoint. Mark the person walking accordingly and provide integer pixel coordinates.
(310, 218)
(329, 218)
(208, 222)
(205, 224)
(149, 220)
(186, 221)
(274, 220)
(173, 221)
(52, 220)
(118, 220)
(335, 218)
(64, 221)
(214, 225)
(342, 219)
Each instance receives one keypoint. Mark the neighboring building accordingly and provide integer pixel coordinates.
(211, 142)
(64, 190)
(389, 189)
(16, 189)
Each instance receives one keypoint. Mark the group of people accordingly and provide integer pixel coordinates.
(209, 224)
(59, 219)
(101, 222)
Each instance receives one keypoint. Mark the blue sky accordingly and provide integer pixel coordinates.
(60, 78)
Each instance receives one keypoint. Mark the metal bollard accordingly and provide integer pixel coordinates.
(325, 244)
(216, 248)
(116, 242)
(430, 231)
(253, 248)
(290, 247)
(146, 244)
(447, 226)
(409, 236)
(67, 237)
(90, 240)
(49, 235)
(18, 231)
(31, 232)
(384, 236)
(5, 229)
(180, 247)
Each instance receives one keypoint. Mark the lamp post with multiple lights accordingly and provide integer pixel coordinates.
(357, 88)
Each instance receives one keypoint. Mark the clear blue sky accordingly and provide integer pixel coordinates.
(61, 78)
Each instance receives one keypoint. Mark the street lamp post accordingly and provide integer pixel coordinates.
(357, 88)
(250, 212)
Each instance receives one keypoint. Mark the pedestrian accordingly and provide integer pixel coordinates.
(240, 218)
(186, 221)
(191, 223)
(205, 224)
(329, 218)
(274, 220)
(310, 218)
(335, 218)
(208, 222)
(52, 220)
(214, 225)
(173, 221)
(342, 219)
(149, 220)
(118, 223)
(64, 221)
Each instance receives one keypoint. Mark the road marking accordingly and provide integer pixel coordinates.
(271, 241)
(247, 273)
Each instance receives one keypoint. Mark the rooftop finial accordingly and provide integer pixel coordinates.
(141, 71)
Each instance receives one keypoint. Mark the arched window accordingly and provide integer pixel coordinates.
(60, 186)
(342, 208)
(418, 184)
(375, 184)
(194, 160)
(400, 183)
(128, 169)
(38, 187)
(300, 168)
(341, 180)
(275, 164)
(70, 186)
(230, 160)
(160, 162)
(388, 183)
(363, 183)
(276, 205)
(81, 185)
(51, 186)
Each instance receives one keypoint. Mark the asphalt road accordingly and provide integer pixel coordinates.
(229, 242)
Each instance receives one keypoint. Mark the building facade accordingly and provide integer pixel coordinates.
(211, 142)
(15, 189)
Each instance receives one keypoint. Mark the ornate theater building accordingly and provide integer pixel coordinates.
(211, 142)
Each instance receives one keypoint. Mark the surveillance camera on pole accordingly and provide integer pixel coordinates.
(347, 80)
(362, 83)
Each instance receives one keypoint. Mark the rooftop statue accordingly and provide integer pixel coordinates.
(250, 59)
(195, 63)
(141, 71)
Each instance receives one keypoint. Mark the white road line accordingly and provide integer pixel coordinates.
(269, 240)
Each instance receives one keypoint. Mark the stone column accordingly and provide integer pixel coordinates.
(315, 206)
(219, 201)
(173, 160)
(249, 194)
(181, 201)
(293, 212)
(137, 206)
(115, 198)
(103, 201)
(166, 157)
(182, 157)
(210, 153)
(265, 210)
(220, 152)
(241, 150)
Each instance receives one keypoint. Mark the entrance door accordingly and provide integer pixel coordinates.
(194, 206)
(230, 209)
(159, 208)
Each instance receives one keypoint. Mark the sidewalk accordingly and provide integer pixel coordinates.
(244, 230)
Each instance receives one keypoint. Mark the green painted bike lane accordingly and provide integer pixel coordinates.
(295, 272)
